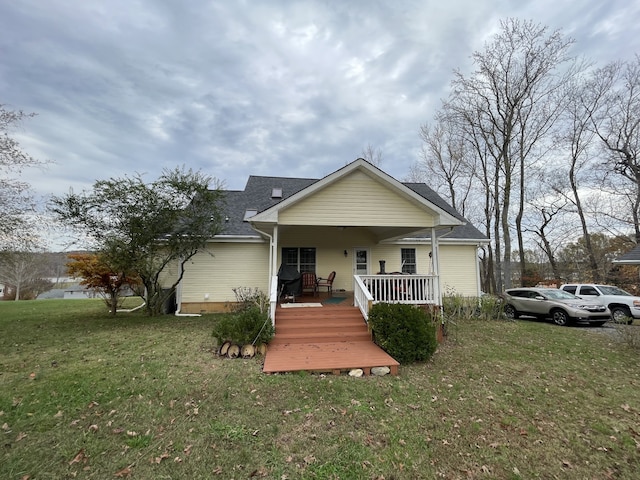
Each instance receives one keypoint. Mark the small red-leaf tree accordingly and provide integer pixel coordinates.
(97, 274)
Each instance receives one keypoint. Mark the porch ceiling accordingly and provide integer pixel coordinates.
(379, 233)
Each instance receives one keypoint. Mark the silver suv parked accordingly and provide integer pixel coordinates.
(562, 307)
(624, 306)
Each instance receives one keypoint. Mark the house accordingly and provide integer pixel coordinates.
(630, 258)
(77, 292)
(357, 221)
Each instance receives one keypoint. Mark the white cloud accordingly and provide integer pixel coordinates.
(263, 87)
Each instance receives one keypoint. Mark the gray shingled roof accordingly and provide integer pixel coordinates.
(257, 196)
(630, 257)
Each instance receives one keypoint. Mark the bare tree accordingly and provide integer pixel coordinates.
(614, 108)
(547, 231)
(510, 103)
(19, 268)
(444, 161)
(372, 155)
(577, 139)
(15, 195)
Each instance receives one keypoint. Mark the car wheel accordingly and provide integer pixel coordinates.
(621, 315)
(510, 312)
(560, 317)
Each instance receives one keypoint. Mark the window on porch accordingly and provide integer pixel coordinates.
(303, 258)
(408, 257)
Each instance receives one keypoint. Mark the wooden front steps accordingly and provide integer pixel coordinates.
(324, 339)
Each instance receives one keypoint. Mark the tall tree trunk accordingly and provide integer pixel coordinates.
(593, 263)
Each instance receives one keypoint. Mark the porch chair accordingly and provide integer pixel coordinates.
(309, 282)
(326, 282)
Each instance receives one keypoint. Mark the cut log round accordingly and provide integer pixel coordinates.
(224, 348)
(248, 351)
(262, 349)
(234, 351)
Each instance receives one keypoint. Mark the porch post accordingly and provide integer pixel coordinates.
(274, 252)
(435, 254)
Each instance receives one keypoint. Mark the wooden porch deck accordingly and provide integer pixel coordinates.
(328, 338)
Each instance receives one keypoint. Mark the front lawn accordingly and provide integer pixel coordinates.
(86, 395)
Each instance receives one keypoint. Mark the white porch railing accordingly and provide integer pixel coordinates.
(362, 297)
(371, 289)
(412, 289)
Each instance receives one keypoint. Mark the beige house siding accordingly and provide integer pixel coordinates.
(391, 254)
(459, 270)
(169, 275)
(211, 275)
(359, 200)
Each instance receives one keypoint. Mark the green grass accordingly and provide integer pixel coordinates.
(86, 395)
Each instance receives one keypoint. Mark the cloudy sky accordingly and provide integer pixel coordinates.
(233, 88)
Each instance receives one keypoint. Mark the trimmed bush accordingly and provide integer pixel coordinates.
(405, 332)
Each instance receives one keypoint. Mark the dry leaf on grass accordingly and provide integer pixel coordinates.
(21, 436)
(80, 457)
(125, 472)
(164, 456)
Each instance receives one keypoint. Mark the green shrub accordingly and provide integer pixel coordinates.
(250, 325)
(405, 332)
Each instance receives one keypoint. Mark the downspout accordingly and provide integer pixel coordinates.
(272, 258)
(273, 241)
(478, 280)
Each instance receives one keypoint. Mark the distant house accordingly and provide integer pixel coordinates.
(78, 291)
(348, 222)
(630, 258)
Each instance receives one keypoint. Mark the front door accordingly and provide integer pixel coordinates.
(360, 261)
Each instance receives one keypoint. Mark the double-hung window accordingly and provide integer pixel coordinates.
(408, 257)
(303, 258)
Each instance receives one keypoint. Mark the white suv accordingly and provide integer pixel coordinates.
(624, 306)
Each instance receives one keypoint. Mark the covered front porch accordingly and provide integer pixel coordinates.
(370, 289)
